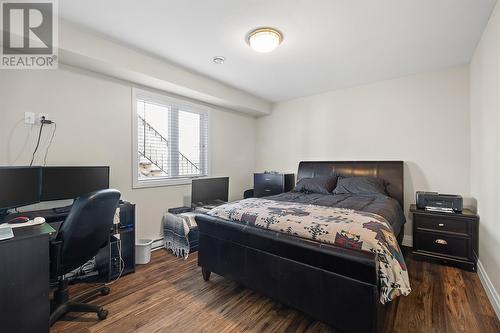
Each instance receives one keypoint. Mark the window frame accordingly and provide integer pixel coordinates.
(164, 99)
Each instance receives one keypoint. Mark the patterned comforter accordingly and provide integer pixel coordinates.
(338, 226)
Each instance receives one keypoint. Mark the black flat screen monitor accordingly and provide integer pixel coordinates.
(209, 190)
(19, 186)
(59, 183)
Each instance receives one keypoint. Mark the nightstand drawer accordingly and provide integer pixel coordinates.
(268, 178)
(438, 223)
(263, 191)
(442, 244)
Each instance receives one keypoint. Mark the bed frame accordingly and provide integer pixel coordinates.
(336, 285)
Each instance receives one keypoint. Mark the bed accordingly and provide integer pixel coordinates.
(337, 285)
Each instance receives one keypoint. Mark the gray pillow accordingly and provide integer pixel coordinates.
(360, 185)
(323, 185)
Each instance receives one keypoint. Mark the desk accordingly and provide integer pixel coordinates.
(24, 280)
(126, 232)
(24, 269)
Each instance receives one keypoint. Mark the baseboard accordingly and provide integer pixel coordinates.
(408, 240)
(488, 286)
(157, 244)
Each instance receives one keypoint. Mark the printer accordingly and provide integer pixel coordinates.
(439, 202)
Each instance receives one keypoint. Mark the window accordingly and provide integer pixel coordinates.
(170, 140)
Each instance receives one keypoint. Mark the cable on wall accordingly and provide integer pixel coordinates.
(37, 144)
(50, 143)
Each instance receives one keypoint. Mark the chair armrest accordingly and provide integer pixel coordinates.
(55, 257)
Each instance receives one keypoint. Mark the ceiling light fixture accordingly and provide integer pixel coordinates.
(264, 39)
(219, 60)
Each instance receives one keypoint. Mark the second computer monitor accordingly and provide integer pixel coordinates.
(60, 183)
(19, 186)
(207, 190)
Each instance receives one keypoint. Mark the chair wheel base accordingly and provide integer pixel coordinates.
(102, 314)
(105, 291)
(61, 305)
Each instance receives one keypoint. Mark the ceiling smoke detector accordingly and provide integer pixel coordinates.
(219, 60)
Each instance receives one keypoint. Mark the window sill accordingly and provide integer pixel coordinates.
(160, 182)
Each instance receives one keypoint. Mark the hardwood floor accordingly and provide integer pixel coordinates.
(169, 295)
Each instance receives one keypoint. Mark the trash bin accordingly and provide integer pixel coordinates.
(143, 251)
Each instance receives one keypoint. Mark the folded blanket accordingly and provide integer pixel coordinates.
(175, 232)
(337, 226)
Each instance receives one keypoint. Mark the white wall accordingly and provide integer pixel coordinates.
(85, 49)
(485, 146)
(94, 117)
(421, 119)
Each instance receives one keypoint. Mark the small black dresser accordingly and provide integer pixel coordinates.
(265, 184)
(24, 280)
(448, 238)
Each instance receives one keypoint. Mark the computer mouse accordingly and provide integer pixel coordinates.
(19, 219)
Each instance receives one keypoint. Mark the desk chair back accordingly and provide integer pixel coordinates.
(87, 228)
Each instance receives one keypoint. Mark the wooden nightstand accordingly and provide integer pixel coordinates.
(265, 184)
(448, 238)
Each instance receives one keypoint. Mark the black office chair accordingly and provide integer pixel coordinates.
(83, 233)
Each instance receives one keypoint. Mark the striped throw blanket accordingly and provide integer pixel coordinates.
(175, 232)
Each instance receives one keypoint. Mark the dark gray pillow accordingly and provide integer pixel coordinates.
(360, 185)
(323, 185)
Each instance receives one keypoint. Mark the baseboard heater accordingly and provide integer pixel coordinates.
(192, 238)
(158, 243)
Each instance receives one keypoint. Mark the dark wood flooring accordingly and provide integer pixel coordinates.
(169, 295)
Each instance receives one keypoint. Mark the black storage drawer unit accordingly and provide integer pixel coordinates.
(266, 184)
(448, 238)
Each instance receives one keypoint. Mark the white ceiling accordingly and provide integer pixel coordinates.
(328, 44)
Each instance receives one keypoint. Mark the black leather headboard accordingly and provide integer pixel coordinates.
(390, 171)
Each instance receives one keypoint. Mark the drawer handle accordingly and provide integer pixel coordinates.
(268, 190)
(441, 225)
(267, 179)
(441, 242)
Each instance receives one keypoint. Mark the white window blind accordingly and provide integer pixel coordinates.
(170, 139)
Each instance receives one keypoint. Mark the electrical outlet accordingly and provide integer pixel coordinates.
(29, 118)
(40, 115)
